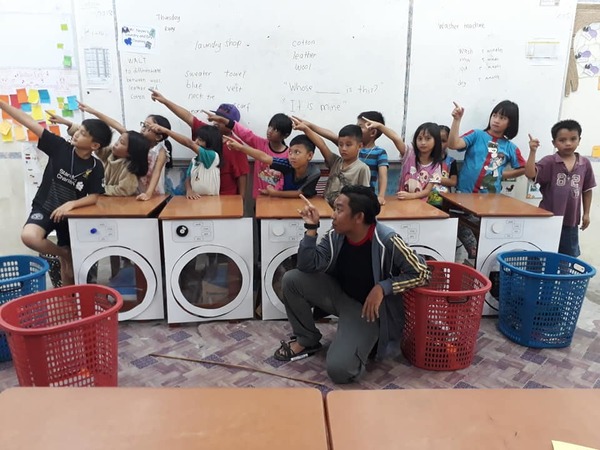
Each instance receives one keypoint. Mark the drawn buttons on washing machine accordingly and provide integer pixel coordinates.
(93, 230)
(182, 231)
(278, 229)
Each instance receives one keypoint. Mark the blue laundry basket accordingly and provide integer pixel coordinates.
(541, 294)
(19, 275)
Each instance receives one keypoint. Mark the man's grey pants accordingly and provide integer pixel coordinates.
(355, 337)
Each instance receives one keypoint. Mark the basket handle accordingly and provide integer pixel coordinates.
(12, 287)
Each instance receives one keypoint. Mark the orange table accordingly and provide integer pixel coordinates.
(463, 418)
(161, 418)
(119, 207)
(395, 209)
(206, 207)
(493, 205)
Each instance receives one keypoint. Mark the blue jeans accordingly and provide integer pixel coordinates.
(569, 241)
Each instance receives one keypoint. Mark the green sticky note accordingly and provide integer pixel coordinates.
(67, 113)
(64, 27)
(67, 62)
(60, 99)
(60, 45)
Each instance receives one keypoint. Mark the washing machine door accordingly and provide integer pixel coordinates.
(278, 266)
(430, 254)
(490, 267)
(210, 281)
(124, 270)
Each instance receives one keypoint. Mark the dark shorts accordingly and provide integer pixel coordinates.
(569, 241)
(42, 219)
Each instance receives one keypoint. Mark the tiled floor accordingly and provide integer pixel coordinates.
(498, 363)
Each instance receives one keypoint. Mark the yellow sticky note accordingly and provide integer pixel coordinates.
(50, 111)
(596, 151)
(34, 96)
(60, 45)
(8, 137)
(5, 127)
(559, 445)
(64, 27)
(37, 112)
(20, 133)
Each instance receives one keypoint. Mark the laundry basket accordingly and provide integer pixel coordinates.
(442, 319)
(65, 336)
(54, 271)
(19, 275)
(541, 294)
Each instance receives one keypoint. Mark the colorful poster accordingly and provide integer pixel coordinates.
(136, 39)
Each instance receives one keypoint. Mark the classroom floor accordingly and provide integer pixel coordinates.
(498, 363)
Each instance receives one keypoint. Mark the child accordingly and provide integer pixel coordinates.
(373, 156)
(279, 128)
(203, 177)
(159, 157)
(124, 161)
(489, 151)
(345, 169)
(234, 165)
(566, 180)
(449, 166)
(73, 178)
(299, 176)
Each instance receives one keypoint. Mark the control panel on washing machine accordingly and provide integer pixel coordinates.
(194, 231)
(409, 232)
(504, 228)
(286, 231)
(102, 231)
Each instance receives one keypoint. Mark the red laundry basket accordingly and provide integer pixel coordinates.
(442, 319)
(65, 336)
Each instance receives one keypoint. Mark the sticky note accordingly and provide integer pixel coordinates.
(64, 27)
(5, 127)
(55, 129)
(43, 124)
(60, 45)
(596, 151)
(22, 95)
(60, 99)
(67, 62)
(67, 113)
(26, 107)
(31, 136)
(19, 131)
(8, 137)
(34, 96)
(49, 113)
(14, 101)
(559, 445)
(5, 98)
(37, 112)
(44, 96)
(72, 100)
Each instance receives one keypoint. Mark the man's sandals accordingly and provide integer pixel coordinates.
(285, 352)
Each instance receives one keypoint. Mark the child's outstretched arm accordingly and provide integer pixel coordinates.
(179, 111)
(23, 118)
(59, 120)
(530, 169)
(304, 127)
(180, 138)
(323, 132)
(115, 125)
(391, 134)
(253, 152)
(454, 141)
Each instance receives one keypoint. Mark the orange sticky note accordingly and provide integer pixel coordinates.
(34, 96)
(37, 112)
(22, 95)
(20, 133)
(55, 129)
(31, 136)
(6, 99)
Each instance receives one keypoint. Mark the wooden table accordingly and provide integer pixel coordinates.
(493, 205)
(409, 209)
(463, 418)
(161, 418)
(206, 207)
(119, 207)
(287, 208)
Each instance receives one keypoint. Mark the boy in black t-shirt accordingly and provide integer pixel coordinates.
(73, 178)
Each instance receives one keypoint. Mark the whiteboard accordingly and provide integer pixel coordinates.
(323, 61)
(480, 53)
